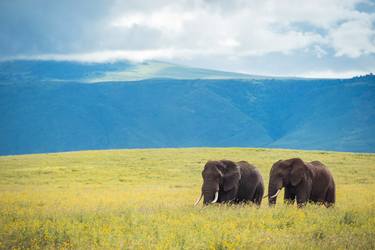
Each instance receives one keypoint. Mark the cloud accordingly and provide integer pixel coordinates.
(331, 74)
(186, 30)
(110, 55)
(165, 20)
(353, 38)
(237, 33)
(319, 51)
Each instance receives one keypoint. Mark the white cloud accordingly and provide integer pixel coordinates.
(241, 32)
(319, 52)
(229, 42)
(330, 74)
(190, 29)
(111, 55)
(353, 38)
(167, 19)
(243, 28)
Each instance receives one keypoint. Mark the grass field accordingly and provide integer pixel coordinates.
(143, 199)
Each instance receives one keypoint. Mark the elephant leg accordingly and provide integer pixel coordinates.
(229, 196)
(330, 197)
(302, 197)
(289, 196)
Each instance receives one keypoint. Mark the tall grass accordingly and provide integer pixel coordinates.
(143, 199)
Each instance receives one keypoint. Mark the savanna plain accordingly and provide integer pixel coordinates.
(143, 199)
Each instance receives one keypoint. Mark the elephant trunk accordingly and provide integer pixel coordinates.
(273, 192)
(210, 193)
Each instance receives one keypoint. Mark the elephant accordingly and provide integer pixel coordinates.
(228, 182)
(304, 181)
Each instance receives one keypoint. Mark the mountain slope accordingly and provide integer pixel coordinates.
(29, 70)
(345, 120)
(41, 115)
(155, 69)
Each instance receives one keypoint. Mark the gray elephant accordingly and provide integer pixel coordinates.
(304, 181)
(227, 181)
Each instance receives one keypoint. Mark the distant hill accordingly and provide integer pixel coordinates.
(27, 70)
(51, 106)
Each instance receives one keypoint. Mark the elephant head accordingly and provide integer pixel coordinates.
(220, 181)
(287, 173)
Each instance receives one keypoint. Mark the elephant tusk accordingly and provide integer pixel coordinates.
(216, 197)
(275, 195)
(198, 200)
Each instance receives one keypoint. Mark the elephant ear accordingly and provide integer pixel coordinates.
(297, 172)
(231, 176)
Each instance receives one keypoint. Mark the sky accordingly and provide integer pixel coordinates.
(320, 38)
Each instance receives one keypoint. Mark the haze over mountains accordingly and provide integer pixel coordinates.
(50, 106)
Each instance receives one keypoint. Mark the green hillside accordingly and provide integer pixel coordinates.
(143, 199)
(50, 106)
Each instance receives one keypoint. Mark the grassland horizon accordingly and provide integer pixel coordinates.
(143, 199)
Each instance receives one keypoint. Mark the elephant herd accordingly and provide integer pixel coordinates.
(241, 182)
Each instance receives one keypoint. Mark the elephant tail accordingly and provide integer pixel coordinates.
(259, 192)
(331, 195)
